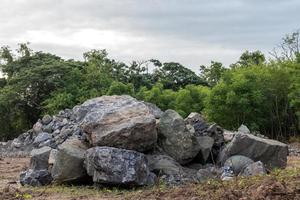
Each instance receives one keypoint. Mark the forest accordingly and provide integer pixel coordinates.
(262, 93)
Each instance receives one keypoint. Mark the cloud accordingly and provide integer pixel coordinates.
(192, 32)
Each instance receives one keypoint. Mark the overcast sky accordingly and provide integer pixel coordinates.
(192, 32)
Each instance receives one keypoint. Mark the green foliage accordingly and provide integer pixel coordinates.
(248, 59)
(175, 76)
(118, 88)
(213, 73)
(256, 96)
(189, 99)
(264, 95)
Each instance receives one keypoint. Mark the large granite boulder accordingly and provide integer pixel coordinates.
(69, 162)
(118, 121)
(176, 138)
(35, 177)
(39, 158)
(271, 152)
(113, 166)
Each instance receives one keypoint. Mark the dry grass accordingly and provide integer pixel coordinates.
(280, 184)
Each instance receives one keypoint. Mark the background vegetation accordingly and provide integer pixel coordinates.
(262, 94)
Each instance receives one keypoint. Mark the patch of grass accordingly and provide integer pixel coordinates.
(294, 139)
(279, 184)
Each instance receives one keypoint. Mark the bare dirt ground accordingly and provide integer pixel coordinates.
(281, 184)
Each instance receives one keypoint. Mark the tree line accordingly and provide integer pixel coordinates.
(262, 94)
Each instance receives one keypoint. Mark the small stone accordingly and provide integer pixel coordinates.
(227, 174)
(35, 177)
(46, 119)
(37, 127)
(41, 137)
(48, 128)
(16, 143)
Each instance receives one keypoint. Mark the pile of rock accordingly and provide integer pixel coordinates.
(294, 150)
(118, 140)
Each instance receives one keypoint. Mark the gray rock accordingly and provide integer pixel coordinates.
(112, 166)
(211, 172)
(118, 121)
(16, 143)
(28, 140)
(254, 169)
(227, 174)
(216, 132)
(37, 127)
(68, 165)
(35, 177)
(56, 132)
(48, 128)
(52, 156)
(41, 137)
(39, 158)
(198, 122)
(163, 165)
(206, 143)
(176, 139)
(189, 176)
(46, 119)
(48, 143)
(238, 163)
(243, 129)
(154, 110)
(64, 122)
(228, 135)
(271, 152)
(170, 171)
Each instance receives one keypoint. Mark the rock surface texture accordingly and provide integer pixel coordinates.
(109, 165)
(69, 162)
(254, 169)
(238, 163)
(35, 177)
(118, 121)
(176, 138)
(271, 152)
(39, 158)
